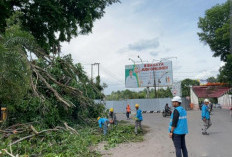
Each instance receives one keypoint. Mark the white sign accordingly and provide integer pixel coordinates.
(176, 89)
(143, 75)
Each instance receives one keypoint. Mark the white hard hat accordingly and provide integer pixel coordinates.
(206, 100)
(177, 98)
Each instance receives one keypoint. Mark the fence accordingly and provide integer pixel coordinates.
(154, 105)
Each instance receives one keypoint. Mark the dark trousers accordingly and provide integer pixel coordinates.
(127, 115)
(179, 143)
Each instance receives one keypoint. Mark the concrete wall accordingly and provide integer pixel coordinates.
(145, 104)
(194, 99)
(225, 101)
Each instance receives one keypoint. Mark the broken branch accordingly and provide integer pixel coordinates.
(53, 90)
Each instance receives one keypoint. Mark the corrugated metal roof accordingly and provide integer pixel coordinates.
(210, 91)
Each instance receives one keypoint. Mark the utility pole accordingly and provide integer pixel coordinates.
(148, 93)
(98, 70)
(154, 83)
(92, 72)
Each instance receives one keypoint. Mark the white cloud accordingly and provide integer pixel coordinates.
(144, 45)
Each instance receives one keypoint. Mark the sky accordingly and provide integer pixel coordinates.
(152, 29)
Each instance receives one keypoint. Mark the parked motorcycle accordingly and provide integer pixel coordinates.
(166, 113)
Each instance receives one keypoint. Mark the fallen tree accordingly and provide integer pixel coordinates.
(35, 85)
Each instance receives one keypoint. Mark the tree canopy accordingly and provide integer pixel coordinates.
(212, 79)
(226, 71)
(215, 28)
(54, 21)
(185, 86)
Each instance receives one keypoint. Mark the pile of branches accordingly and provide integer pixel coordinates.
(28, 128)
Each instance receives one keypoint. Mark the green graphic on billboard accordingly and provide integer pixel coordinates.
(131, 77)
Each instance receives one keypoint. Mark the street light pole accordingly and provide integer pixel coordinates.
(160, 81)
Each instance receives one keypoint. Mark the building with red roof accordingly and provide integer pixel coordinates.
(212, 90)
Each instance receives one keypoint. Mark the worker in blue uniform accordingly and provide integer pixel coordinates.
(178, 127)
(138, 119)
(103, 124)
(205, 114)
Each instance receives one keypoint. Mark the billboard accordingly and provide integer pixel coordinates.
(143, 75)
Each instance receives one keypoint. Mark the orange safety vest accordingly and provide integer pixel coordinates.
(128, 108)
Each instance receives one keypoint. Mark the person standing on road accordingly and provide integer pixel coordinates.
(205, 114)
(178, 127)
(128, 111)
(138, 119)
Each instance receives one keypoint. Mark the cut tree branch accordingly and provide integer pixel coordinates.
(57, 95)
(70, 128)
(30, 136)
(55, 81)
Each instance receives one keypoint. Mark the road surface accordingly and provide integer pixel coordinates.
(158, 144)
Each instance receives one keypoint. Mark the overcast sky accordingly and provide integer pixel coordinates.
(152, 29)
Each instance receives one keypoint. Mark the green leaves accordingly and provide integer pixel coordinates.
(120, 134)
(62, 143)
(226, 71)
(45, 19)
(185, 86)
(14, 70)
(27, 96)
(215, 28)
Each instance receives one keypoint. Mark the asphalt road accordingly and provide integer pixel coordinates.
(157, 143)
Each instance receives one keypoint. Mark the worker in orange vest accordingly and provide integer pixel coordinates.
(128, 111)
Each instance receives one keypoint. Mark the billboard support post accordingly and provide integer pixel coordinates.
(154, 84)
(148, 93)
